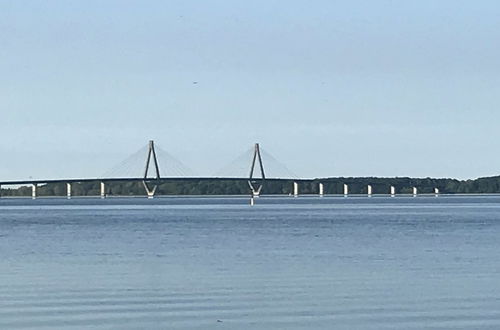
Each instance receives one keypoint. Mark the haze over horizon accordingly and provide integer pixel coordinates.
(331, 88)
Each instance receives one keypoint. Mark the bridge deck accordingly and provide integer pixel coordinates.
(166, 179)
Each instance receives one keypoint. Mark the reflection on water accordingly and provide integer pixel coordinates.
(216, 263)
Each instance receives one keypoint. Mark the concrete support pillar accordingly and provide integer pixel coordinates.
(33, 190)
(415, 191)
(68, 190)
(370, 190)
(436, 192)
(151, 192)
(321, 189)
(103, 190)
(295, 189)
(393, 191)
(256, 193)
(346, 190)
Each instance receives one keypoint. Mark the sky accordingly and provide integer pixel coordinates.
(329, 88)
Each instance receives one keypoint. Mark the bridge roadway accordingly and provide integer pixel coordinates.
(156, 181)
(150, 191)
(165, 179)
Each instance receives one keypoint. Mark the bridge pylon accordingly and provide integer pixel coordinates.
(256, 184)
(151, 190)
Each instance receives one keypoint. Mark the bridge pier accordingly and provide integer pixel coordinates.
(370, 190)
(393, 191)
(415, 191)
(103, 189)
(33, 190)
(346, 190)
(295, 189)
(150, 192)
(68, 190)
(255, 192)
(321, 190)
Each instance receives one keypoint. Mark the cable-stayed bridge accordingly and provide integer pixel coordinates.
(152, 166)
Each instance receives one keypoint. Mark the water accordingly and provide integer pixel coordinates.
(216, 263)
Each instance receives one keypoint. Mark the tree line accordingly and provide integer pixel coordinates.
(403, 185)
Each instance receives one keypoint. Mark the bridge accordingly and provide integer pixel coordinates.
(147, 162)
(255, 179)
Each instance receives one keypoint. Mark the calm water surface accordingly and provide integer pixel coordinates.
(216, 263)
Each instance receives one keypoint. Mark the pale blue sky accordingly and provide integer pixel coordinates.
(331, 88)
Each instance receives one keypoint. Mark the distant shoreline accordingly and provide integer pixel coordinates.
(379, 186)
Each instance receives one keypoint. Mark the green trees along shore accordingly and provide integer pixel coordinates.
(221, 187)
